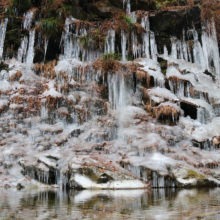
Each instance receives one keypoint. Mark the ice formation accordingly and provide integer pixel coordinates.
(72, 123)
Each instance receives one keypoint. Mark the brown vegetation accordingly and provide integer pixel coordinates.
(166, 113)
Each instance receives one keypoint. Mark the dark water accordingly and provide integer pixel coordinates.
(107, 204)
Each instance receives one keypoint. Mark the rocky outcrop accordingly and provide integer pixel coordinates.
(162, 172)
(172, 22)
(80, 172)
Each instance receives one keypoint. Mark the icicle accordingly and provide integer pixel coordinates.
(134, 17)
(118, 91)
(197, 51)
(3, 28)
(174, 48)
(30, 52)
(189, 53)
(123, 45)
(210, 49)
(28, 19)
(135, 47)
(22, 51)
(46, 41)
(145, 23)
(146, 41)
(128, 6)
(153, 46)
(110, 41)
(165, 51)
(184, 47)
(146, 45)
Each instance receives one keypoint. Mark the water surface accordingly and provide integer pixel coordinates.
(109, 204)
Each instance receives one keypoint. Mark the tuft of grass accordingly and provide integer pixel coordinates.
(48, 26)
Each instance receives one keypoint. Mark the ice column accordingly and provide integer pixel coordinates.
(210, 48)
(128, 6)
(118, 91)
(30, 52)
(123, 45)
(135, 47)
(198, 51)
(28, 19)
(26, 49)
(46, 41)
(22, 51)
(153, 46)
(146, 42)
(3, 28)
(110, 41)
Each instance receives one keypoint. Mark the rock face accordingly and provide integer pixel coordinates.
(108, 94)
(168, 23)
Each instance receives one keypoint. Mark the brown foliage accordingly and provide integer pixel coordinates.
(3, 5)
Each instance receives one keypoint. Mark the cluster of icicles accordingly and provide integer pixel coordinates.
(206, 55)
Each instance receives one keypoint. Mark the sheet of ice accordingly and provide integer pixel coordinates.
(52, 91)
(87, 183)
(162, 93)
(63, 66)
(207, 132)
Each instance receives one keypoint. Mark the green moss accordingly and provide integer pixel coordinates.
(193, 174)
(129, 20)
(89, 173)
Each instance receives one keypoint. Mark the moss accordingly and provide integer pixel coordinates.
(89, 173)
(193, 174)
(129, 20)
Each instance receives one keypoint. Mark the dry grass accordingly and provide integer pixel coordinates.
(143, 75)
(16, 76)
(46, 70)
(166, 112)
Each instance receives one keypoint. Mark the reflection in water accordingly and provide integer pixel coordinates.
(107, 204)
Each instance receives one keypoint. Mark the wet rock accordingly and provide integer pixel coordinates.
(166, 172)
(88, 172)
(168, 23)
(102, 9)
(76, 132)
(20, 186)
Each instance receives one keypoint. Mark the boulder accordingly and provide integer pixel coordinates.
(163, 172)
